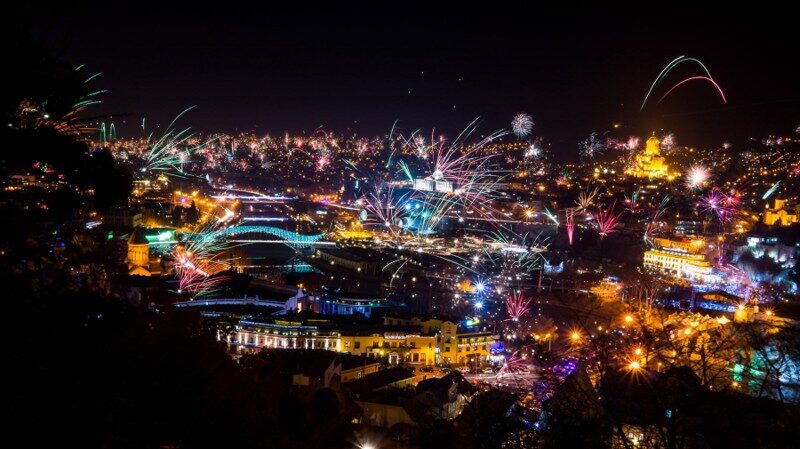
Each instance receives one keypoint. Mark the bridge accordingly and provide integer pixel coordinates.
(290, 238)
(282, 305)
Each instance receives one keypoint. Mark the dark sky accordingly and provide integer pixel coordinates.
(351, 66)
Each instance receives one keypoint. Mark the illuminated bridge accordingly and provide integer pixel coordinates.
(290, 238)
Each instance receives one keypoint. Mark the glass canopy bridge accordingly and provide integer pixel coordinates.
(278, 235)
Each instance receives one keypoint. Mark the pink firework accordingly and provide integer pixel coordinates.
(718, 204)
(697, 78)
(514, 364)
(668, 142)
(607, 221)
(632, 143)
(517, 305)
(195, 275)
(570, 223)
(384, 209)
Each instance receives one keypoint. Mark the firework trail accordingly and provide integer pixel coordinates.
(520, 254)
(198, 262)
(522, 125)
(696, 78)
(586, 199)
(607, 221)
(652, 224)
(697, 176)
(632, 202)
(771, 190)
(70, 121)
(165, 154)
(570, 223)
(674, 63)
(517, 306)
(466, 174)
(381, 208)
(551, 216)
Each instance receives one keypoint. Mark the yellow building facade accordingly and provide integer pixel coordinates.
(437, 341)
(138, 253)
(453, 346)
(397, 347)
(679, 264)
(781, 214)
(649, 163)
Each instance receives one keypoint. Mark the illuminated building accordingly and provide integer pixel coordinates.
(693, 246)
(352, 304)
(283, 334)
(434, 183)
(138, 253)
(462, 348)
(649, 163)
(760, 246)
(453, 345)
(608, 288)
(782, 214)
(396, 345)
(680, 258)
(688, 227)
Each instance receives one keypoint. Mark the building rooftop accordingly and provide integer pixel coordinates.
(137, 237)
(380, 380)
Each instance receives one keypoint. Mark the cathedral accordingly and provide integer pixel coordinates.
(649, 163)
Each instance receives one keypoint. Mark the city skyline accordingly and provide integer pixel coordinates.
(353, 69)
(400, 226)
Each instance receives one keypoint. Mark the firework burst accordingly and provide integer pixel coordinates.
(522, 125)
(168, 153)
(570, 223)
(514, 364)
(517, 306)
(586, 199)
(385, 209)
(718, 204)
(199, 262)
(592, 146)
(697, 176)
(607, 221)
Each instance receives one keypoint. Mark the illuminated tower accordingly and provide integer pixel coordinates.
(138, 253)
(649, 163)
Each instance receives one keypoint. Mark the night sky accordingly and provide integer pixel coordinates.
(358, 68)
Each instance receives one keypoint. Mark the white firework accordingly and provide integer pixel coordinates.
(533, 152)
(522, 125)
(696, 176)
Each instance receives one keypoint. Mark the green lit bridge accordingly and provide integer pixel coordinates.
(280, 235)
